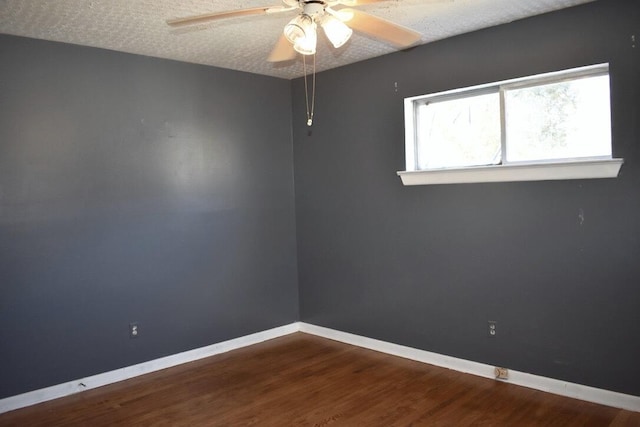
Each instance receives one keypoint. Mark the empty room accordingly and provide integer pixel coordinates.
(314, 213)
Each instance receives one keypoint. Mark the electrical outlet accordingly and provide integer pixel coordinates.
(501, 373)
(133, 330)
(493, 328)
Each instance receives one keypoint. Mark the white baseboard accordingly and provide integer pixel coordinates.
(550, 385)
(71, 387)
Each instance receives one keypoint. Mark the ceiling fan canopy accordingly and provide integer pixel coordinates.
(300, 34)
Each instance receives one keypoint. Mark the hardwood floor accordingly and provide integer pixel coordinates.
(303, 380)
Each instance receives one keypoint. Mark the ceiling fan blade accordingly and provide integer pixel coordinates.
(379, 28)
(357, 2)
(207, 17)
(282, 51)
(352, 3)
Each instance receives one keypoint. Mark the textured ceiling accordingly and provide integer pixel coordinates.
(138, 26)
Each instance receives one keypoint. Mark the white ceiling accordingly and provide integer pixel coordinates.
(138, 26)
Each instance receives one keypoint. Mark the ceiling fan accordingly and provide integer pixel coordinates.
(300, 34)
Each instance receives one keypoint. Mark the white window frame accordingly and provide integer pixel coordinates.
(560, 169)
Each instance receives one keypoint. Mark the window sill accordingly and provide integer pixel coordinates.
(577, 169)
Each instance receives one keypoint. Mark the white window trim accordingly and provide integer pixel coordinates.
(577, 169)
(585, 168)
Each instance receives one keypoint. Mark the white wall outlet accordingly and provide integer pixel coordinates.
(493, 328)
(133, 330)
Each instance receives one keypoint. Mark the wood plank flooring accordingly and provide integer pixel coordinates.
(303, 380)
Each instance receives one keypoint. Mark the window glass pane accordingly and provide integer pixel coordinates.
(459, 132)
(559, 121)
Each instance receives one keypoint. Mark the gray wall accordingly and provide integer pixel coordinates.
(136, 189)
(428, 266)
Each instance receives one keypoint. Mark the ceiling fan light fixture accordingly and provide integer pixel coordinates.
(337, 32)
(301, 32)
(307, 45)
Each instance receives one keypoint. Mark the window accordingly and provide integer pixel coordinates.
(550, 126)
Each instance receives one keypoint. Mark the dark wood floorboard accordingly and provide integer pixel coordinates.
(303, 380)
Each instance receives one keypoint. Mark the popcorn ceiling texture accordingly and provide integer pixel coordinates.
(139, 27)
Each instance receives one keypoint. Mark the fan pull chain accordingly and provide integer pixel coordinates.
(306, 89)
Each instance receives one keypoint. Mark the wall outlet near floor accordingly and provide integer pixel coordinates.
(501, 373)
(133, 330)
(493, 328)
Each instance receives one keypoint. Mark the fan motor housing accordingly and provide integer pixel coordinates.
(313, 8)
